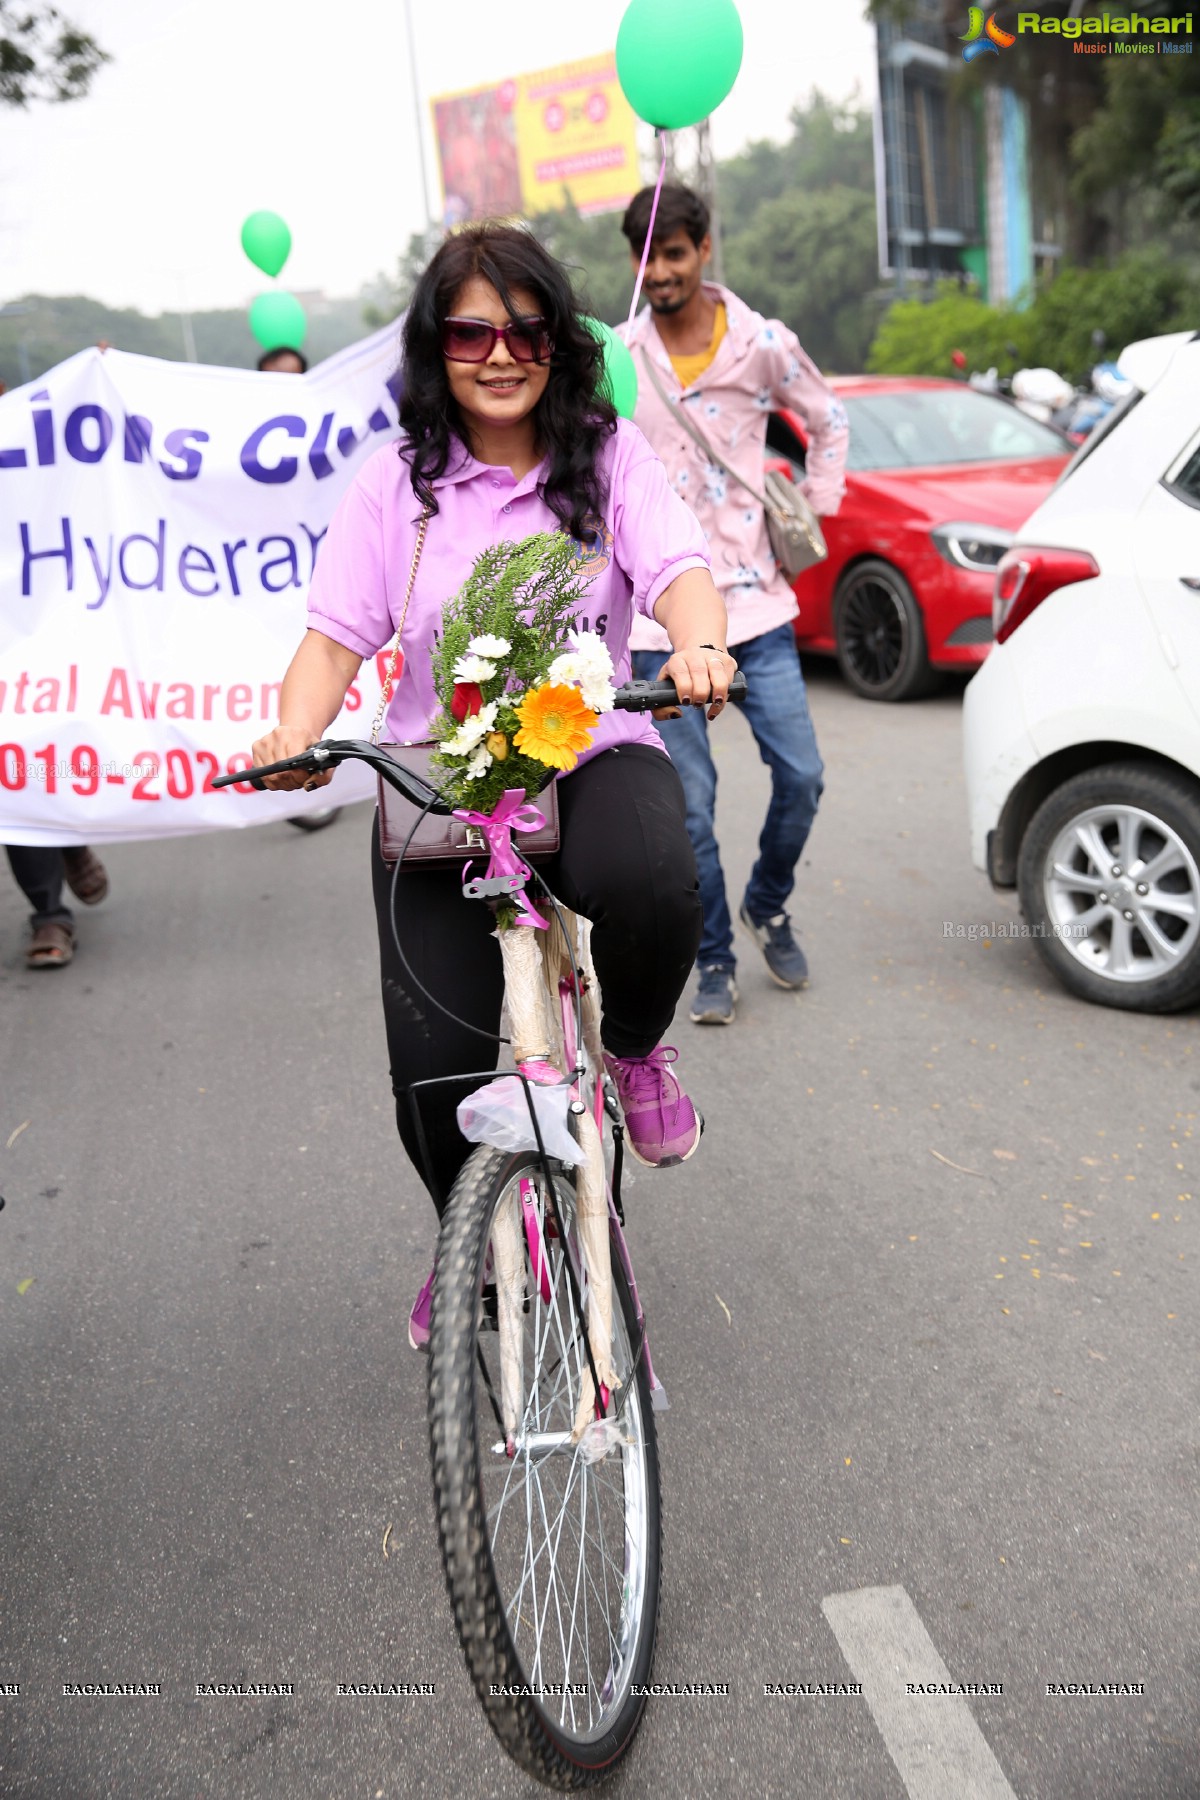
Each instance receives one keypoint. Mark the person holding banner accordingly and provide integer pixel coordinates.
(282, 361)
(39, 872)
(509, 431)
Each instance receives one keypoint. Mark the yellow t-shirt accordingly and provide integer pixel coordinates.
(690, 368)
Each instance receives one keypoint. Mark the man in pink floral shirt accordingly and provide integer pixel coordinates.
(726, 367)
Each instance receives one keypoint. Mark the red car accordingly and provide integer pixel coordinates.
(938, 480)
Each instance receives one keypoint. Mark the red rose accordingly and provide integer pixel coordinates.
(466, 700)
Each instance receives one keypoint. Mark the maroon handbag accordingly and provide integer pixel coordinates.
(440, 840)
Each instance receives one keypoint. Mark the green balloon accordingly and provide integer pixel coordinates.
(266, 241)
(620, 383)
(277, 321)
(677, 59)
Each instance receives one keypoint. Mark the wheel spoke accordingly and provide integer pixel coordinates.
(1148, 921)
(553, 1567)
(571, 1541)
(875, 633)
(1167, 861)
(1164, 952)
(1180, 906)
(1129, 830)
(1093, 847)
(1077, 879)
(1120, 950)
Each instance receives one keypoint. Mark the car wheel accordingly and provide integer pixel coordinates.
(1109, 878)
(879, 635)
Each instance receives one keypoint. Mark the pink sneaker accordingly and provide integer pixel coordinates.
(662, 1126)
(418, 1318)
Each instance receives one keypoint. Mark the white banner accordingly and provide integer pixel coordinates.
(159, 523)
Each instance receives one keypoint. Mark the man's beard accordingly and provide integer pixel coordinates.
(667, 306)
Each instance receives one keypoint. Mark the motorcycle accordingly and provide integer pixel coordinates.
(1046, 395)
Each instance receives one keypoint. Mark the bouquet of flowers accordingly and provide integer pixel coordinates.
(520, 689)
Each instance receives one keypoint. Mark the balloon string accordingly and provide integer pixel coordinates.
(637, 286)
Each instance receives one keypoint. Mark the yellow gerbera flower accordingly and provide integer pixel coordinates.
(555, 726)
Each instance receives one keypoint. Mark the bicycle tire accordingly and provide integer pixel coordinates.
(558, 1756)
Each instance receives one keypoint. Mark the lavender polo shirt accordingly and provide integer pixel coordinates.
(647, 537)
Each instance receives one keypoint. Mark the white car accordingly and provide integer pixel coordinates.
(1082, 728)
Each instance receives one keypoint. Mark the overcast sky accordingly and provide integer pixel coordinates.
(213, 108)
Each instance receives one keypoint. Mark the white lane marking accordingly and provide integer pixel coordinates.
(932, 1738)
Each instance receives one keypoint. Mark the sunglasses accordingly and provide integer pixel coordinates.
(473, 340)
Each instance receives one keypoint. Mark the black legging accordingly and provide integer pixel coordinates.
(625, 862)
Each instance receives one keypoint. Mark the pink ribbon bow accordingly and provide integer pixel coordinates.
(497, 827)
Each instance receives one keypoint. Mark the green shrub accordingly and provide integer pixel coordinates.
(1141, 295)
(917, 337)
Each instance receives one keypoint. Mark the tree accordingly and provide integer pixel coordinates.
(1148, 127)
(43, 56)
(918, 337)
(799, 228)
(809, 258)
(37, 331)
(1085, 113)
(1143, 294)
(386, 299)
(831, 145)
(810, 263)
(597, 256)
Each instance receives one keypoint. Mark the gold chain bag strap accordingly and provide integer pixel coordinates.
(433, 840)
(792, 526)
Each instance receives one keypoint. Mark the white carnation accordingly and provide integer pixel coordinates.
(595, 671)
(472, 731)
(598, 694)
(487, 645)
(474, 668)
(585, 671)
(566, 670)
(593, 649)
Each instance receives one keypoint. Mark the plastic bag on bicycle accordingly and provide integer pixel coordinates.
(498, 1114)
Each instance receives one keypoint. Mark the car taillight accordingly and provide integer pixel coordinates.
(1026, 575)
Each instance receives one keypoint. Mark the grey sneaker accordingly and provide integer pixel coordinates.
(715, 997)
(785, 959)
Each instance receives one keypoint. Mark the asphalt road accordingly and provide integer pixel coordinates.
(924, 1307)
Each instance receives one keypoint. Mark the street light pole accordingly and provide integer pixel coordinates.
(418, 117)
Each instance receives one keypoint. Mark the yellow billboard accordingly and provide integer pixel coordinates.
(528, 143)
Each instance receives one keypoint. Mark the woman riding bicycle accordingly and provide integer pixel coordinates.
(507, 433)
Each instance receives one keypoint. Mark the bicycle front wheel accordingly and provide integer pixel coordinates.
(552, 1560)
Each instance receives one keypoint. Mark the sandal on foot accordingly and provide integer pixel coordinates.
(51, 947)
(86, 875)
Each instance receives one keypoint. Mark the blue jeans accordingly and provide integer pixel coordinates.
(776, 707)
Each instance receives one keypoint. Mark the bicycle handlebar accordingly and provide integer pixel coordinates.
(634, 696)
(648, 696)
